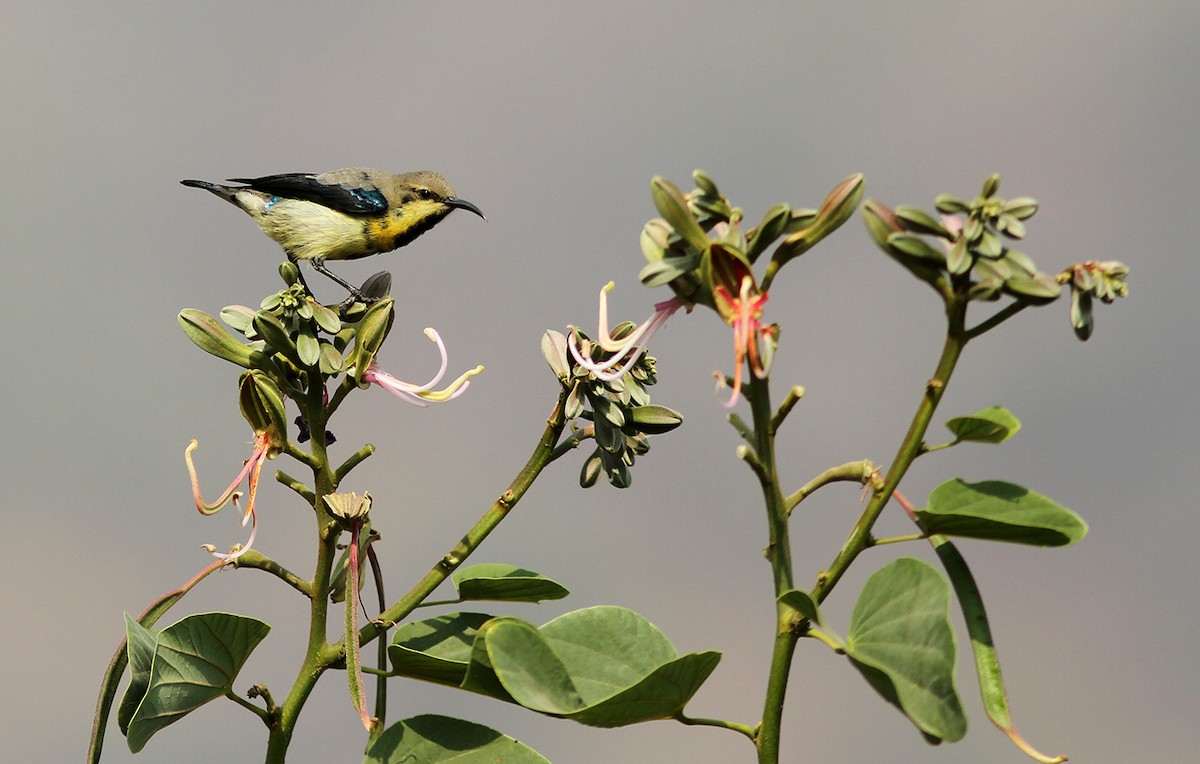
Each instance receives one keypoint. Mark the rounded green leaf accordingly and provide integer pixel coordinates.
(436, 649)
(994, 424)
(193, 662)
(508, 583)
(1000, 511)
(901, 641)
(603, 666)
(433, 738)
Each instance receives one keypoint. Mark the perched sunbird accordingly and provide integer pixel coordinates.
(344, 214)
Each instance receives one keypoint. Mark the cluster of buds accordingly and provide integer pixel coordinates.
(293, 345)
(700, 249)
(1105, 280)
(607, 389)
(975, 256)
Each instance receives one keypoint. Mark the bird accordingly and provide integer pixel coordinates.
(343, 214)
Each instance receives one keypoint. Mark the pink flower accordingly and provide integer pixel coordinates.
(421, 395)
(627, 350)
(744, 314)
(250, 471)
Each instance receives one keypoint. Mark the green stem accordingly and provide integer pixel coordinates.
(745, 729)
(858, 472)
(252, 558)
(779, 554)
(542, 455)
(910, 448)
(315, 660)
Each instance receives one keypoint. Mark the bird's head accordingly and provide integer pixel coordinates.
(425, 194)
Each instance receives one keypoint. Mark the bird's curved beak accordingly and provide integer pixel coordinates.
(454, 201)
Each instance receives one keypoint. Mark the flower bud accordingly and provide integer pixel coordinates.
(262, 406)
(211, 337)
(370, 333)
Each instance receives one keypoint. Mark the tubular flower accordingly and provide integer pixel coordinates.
(629, 348)
(421, 395)
(250, 471)
(744, 314)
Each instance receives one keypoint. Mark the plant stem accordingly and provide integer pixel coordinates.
(315, 661)
(910, 448)
(779, 554)
(543, 454)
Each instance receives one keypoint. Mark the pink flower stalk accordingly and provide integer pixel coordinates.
(626, 350)
(748, 330)
(421, 395)
(250, 471)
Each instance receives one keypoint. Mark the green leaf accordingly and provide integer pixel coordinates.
(1000, 511)
(901, 641)
(994, 424)
(987, 663)
(436, 649)
(495, 581)
(602, 666)
(430, 738)
(192, 662)
(139, 647)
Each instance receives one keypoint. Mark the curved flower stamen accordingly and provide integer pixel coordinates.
(626, 350)
(250, 472)
(421, 395)
(748, 332)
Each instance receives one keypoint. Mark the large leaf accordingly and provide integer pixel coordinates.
(1000, 511)
(994, 424)
(901, 641)
(431, 739)
(192, 662)
(436, 649)
(495, 581)
(603, 666)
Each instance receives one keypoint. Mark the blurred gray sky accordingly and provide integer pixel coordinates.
(552, 118)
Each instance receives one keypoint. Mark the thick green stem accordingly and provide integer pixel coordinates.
(542, 456)
(314, 663)
(910, 448)
(779, 554)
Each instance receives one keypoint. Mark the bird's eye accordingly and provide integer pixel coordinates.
(424, 193)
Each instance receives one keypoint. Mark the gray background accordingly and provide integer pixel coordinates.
(552, 119)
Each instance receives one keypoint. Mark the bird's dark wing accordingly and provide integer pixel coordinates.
(363, 200)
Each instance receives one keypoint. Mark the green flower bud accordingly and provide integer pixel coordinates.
(263, 407)
(371, 331)
(211, 337)
(674, 209)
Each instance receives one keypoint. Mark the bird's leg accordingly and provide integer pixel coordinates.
(318, 265)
